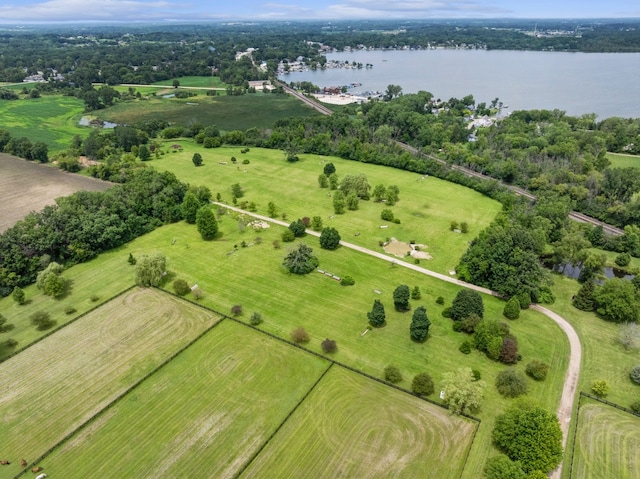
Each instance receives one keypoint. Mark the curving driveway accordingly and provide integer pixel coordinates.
(570, 388)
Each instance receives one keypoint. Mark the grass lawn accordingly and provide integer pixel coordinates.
(426, 207)
(607, 443)
(54, 386)
(228, 113)
(350, 426)
(619, 160)
(603, 357)
(202, 415)
(195, 81)
(52, 119)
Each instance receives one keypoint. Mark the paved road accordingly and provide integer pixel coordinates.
(570, 388)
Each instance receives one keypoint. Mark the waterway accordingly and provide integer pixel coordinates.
(607, 84)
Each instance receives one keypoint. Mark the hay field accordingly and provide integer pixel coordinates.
(351, 426)
(202, 415)
(607, 443)
(26, 186)
(54, 386)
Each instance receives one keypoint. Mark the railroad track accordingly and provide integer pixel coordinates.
(574, 215)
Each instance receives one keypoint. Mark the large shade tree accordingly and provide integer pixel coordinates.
(300, 260)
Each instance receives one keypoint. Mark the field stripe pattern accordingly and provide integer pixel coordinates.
(59, 383)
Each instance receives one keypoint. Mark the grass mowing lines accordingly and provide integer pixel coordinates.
(351, 426)
(607, 443)
(426, 207)
(195, 81)
(60, 382)
(202, 415)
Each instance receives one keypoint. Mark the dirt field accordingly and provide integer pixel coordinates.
(26, 186)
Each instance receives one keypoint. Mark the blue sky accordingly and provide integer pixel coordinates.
(47, 11)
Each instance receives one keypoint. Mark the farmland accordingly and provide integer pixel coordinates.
(257, 110)
(26, 186)
(60, 382)
(607, 443)
(52, 119)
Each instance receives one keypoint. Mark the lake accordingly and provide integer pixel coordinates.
(607, 84)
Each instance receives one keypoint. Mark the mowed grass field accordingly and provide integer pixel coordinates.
(351, 426)
(426, 207)
(607, 443)
(57, 384)
(195, 81)
(205, 414)
(619, 160)
(27, 186)
(52, 119)
(228, 113)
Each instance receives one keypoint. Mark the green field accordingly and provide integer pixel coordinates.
(350, 426)
(203, 415)
(52, 119)
(426, 207)
(57, 384)
(226, 112)
(619, 160)
(607, 443)
(196, 82)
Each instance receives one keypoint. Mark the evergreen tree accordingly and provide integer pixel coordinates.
(190, 206)
(420, 324)
(329, 238)
(329, 169)
(401, 298)
(197, 159)
(415, 293)
(584, 299)
(466, 302)
(512, 308)
(376, 315)
(339, 202)
(207, 224)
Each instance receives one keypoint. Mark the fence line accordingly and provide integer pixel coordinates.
(55, 330)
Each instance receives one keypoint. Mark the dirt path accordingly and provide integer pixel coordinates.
(570, 388)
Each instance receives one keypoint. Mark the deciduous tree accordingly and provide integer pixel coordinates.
(531, 435)
(150, 269)
(466, 302)
(190, 206)
(462, 393)
(401, 298)
(329, 238)
(422, 384)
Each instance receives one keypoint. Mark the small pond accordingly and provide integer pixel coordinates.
(86, 121)
(573, 271)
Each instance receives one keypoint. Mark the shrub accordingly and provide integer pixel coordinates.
(288, 236)
(276, 244)
(181, 287)
(236, 309)
(464, 227)
(512, 308)
(329, 346)
(623, 259)
(600, 388)
(347, 281)
(453, 226)
(245, 161)
(422, 384)
(446, 312)
(509, 351)
(635, 407)
(537, 370)
(94, 298)
(392, 374)
(11, 343)
(476, 374)
(468, 324)
(635, 374)
(299, 335)
(465, 347)
(386, 215)
(396, 221)
(439, 300)
(69, 310)
(524, 298)
(131, 260)
(415, 293)
(511, 383)
(501, 467)
(41, 320)
(256, 319)
(18, 295)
